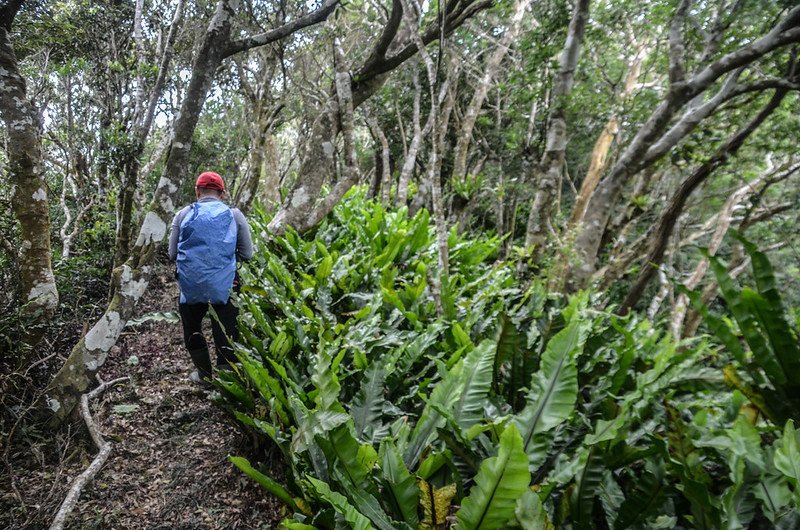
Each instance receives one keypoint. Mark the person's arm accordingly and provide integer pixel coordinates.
(174, 233)
(244, 241)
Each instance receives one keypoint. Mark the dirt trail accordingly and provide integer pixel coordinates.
(168, 469)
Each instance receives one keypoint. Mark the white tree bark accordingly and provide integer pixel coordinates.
(552, 165)
(490, 71)
(38, 293)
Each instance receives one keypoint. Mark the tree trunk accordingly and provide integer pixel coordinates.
(410, 161)
(490, 71)
(37, 285)
(662, 231)
(382, 156)
(552, 163)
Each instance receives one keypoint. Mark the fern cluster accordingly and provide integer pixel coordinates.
(515, 409)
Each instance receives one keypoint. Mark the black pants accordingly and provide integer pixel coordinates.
(192, 320)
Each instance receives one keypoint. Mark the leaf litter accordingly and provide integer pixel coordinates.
(169, 467)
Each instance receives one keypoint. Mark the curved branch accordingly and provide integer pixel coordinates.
(105, 447)
(262, 39)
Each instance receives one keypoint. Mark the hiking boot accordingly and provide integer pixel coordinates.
(195, 378)
(202, 362)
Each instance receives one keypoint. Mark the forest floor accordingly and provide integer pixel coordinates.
(168, 468)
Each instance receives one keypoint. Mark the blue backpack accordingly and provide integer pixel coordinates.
(207, 253)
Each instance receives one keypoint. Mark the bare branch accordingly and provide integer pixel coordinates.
(315, 17)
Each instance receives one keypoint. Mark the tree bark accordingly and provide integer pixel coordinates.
(38, 293)
(410, 161)
(490, 71)
(385, 176)
(552, 163)
(599, 156)
(662, 231)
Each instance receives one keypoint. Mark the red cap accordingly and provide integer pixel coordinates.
(210, 180)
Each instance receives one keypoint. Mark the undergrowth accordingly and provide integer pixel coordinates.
(524, 409)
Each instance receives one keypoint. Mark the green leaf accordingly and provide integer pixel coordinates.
(787, 456)
(781, 336)
(324, 269)
(399, 484)
(443, 396)
(587, 487)
(554, 388)
(343, 452)
(312, 423)
(510, 349)
(773, 492)
(294, 525)
(605, 430)
(368, 403)
(354, 518)
(644, 500)
(500, 482)
(744, 315)
(125, 408)
(531, 514)
(477, 381)
(265, 482)
(720, 328)
(170, 317)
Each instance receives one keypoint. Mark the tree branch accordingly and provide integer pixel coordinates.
(315, 17)
(676, 44)
(387, 36)
(454, 17)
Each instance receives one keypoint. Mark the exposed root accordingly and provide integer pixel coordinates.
(104, 447)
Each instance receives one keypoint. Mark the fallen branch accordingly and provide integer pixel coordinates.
(84, 478)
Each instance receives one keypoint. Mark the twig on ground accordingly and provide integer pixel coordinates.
(105, 447)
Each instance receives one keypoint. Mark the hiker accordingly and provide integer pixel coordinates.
(206, 240)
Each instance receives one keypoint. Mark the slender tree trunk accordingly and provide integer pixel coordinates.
(271, 174)
(663, 229)
(410, 161)
(142, 121)
(125, 206)
(552, 163)
(382, 154)
(490, 71)
(37, 286)
(262, 176)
